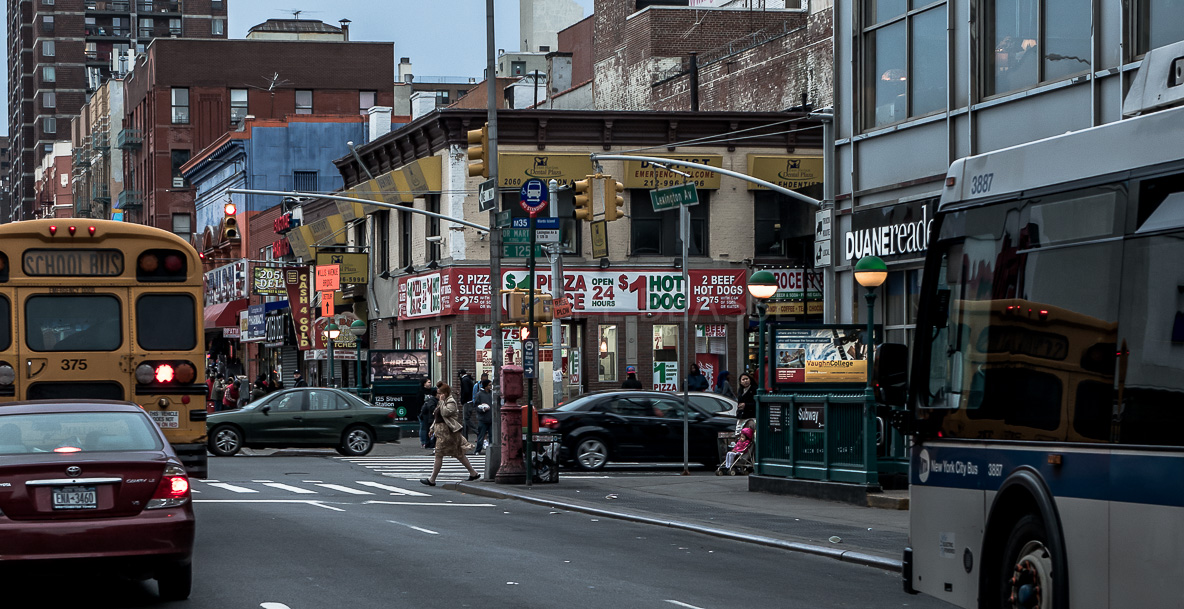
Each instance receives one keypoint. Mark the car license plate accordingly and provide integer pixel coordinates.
(75, 498)
(166, 419)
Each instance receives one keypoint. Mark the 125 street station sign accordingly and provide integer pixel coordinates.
(591, 291)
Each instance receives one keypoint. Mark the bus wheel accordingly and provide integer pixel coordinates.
(1026, 577)
(225, 441)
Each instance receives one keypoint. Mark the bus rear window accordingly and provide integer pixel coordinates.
(73, 323)
(5, 323)
(166, 322)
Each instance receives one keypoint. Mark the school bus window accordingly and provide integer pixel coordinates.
(73, 323)
(5, 323)
(165, 322)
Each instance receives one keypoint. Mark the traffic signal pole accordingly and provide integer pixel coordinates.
(556, 294)
(494, 460)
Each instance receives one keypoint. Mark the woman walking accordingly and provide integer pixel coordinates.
(747, 401)
(446, 428)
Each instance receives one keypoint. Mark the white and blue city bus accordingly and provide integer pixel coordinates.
(1047, 382)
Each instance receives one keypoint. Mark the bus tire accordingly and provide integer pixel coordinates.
(225, 440)
(357, 441)
(1026, 574)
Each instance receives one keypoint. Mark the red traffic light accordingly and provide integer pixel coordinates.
(231, 209)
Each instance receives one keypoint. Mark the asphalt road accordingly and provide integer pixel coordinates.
(307, 532)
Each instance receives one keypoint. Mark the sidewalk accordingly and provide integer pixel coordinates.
(722, 506)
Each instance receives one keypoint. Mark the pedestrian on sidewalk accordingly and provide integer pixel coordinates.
(230, 396)
(468, 406)
(631, 381)
(747, 401)
(426, 413)
(298, 379)
(446, 428)
(484, 402)
(695, 380)
(723, 387)
(743, 444)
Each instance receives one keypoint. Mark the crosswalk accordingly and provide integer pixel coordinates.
(414, 467)
(304, 488)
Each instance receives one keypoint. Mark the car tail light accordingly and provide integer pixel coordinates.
(550, 423)
(173, 489)
(67, 449)
(391, 415)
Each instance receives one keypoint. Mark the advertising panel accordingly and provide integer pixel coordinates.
(298, 281)
(515, 168)
(819, 354)
(396, 364)
(226, 283)
(643, 174)
(256, 324)
(353, 268)
(792, 172)
(268, 281)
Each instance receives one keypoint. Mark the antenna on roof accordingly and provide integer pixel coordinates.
(296, 11)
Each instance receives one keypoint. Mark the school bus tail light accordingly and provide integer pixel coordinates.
(162, 265)
(165, 373)
(7, 374)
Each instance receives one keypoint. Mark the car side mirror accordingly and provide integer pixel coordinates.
(891, 374)
(265, 410)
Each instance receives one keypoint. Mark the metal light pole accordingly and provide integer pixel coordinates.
(494, 460)
(331, 334)
(358, 329)
(556, 294)
(762, 285)
(870, 272)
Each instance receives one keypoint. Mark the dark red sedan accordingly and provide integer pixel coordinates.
(94, 481)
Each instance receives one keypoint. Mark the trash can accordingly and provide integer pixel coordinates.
(544, 456)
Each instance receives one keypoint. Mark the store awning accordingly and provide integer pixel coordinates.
(224, 315)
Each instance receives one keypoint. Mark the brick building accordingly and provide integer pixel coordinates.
(60, 52)
(430, 277)
(53, 190)
(98, 174)
(183, 95)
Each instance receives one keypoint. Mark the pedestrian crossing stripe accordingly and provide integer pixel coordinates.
(240, 488)
(415, 467)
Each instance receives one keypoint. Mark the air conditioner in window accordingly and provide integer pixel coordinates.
(178, 182)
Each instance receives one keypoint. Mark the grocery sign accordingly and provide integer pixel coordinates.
(590, 291)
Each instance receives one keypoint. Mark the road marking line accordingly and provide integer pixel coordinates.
(304, 501)
(411, 526)
(261, 481)
(290, 488)
(681, 604)
(393, 489)
(232, 487)
(430, 503)
(327, 507)
(345, 489)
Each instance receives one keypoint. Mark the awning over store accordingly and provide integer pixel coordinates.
(224, 315)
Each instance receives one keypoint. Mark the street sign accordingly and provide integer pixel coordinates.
(599, 239)
(530, 357)
(561, 307)
(503, 219)
(546, 231)
(487, 195)
(547, 235)
(822, 237)
(521, 250)
(674, 197)
(328, 278)
(821, 253)
(534, 196)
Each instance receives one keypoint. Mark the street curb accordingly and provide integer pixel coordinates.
(858, 558)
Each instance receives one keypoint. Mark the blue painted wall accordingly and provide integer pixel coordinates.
(266, 161)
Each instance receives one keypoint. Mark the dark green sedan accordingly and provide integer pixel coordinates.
(305, 417)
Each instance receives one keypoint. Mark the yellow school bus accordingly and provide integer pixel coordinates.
(96, 309)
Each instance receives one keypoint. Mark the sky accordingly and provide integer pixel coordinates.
(442, 37)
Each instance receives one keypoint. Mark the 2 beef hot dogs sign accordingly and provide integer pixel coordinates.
(461, 292)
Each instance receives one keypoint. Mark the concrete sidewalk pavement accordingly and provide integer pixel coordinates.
(723, 507)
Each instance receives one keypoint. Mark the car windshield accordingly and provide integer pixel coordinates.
(578, 403)
(71, 432)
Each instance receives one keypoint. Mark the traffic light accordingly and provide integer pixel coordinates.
(614, 203)
(479, 152)
(583, 201)
(230, 222)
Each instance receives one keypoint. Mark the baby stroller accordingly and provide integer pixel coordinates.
(739, 460)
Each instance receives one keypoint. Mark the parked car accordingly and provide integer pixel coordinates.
(97, 482)
(636, 426)
(307, 417)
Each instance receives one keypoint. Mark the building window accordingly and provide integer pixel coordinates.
(366, 100)
(903, 295)
(517, 68)
(905, 62)
(1034, 41)
(181, 225)
(174, 27)
(1165, 29)
(781, 229)
(47, 2)
(655, 233)
(180, 106)
(303, 101)
(218, 27)
(666, 360)
(121, 26)
(48, 148)
(179, 158)
(382, 233)
(47, 24)
(49, 99)
(607, 349)
(304, 181)
(238, 105)
(433, 227)
(441, 98)
(49, 74)
(146, 26)
(404, 239)
(49, 124)
(48, 48)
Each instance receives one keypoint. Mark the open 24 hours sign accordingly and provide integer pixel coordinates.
(591, 291)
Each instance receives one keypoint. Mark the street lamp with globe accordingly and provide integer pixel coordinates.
(331, 333)
(358, 329)
(870, 272)
(762, 285)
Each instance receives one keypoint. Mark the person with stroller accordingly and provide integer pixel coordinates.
(741, 450)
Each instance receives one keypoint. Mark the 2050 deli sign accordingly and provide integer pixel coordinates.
(892, 232)
(592, 291)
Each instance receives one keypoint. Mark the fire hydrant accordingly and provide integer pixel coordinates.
(513, 466)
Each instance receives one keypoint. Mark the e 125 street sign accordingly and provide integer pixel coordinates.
(684, 195)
